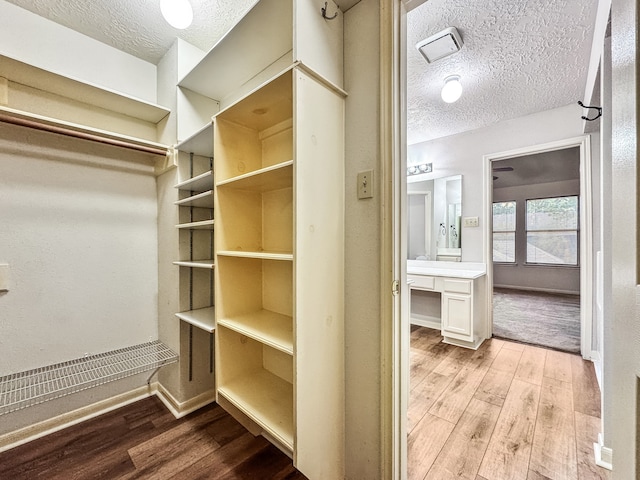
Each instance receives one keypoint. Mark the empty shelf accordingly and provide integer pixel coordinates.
(267, 327)
(267, 400)
(203, 318)
(274, 177)
(199, 183)
(201, 225)
(195, 263)
(24, 389)
(201, 200)
(258, 255)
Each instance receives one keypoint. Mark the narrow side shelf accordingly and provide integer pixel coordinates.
(203, 318)
(267, 327)
(200, 200)
(199, 183)
(209, 264)
(201, 225)
(257, 255)
(267, 400)
(273, 177)
(200, 143)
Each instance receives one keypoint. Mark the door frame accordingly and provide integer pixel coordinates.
(583, 142)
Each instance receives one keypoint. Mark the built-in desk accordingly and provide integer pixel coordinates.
(461, 288)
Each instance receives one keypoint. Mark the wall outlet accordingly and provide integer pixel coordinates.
(365, 184)
(470, 222)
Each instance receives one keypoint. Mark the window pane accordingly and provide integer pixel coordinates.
(552, 247)
(552, 214)
(504, 247)
(504, 216)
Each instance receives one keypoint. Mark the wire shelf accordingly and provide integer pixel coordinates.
(25, 389)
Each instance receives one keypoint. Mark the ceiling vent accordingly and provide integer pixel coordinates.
(440, 45)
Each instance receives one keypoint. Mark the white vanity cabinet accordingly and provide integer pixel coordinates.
(462, 289)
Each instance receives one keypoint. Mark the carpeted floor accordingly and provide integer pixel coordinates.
(538, 318)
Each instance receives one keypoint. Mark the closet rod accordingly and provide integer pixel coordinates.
(46, 127)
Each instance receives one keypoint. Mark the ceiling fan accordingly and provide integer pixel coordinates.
(501, 169)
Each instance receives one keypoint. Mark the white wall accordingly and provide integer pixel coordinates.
(81, 243)
(561, 279)
(463, 154)
(362, 247)
(36, 41)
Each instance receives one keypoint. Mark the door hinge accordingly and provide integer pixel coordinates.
(395, 288)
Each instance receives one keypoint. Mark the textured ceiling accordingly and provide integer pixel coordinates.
(137, 26)
(519, 57)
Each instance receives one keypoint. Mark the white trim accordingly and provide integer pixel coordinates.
(60, 422)
(596, 358)
(426, 321)
(604, 455)
(180, 409)
(586, 229)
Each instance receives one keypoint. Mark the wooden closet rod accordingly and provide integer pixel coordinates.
(69, 132)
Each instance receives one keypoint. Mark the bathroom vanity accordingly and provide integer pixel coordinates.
(452, 298)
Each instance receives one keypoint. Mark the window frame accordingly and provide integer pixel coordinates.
(514, 231)
(576, 230)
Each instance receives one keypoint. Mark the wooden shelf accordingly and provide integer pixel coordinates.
(200, 143)
(199, 183)
(201, 225)
(266, 399)
(200, 200)
(25, 74)
(257, 255)
(209, 264)
(267, 327)
(269, 178)
(203, 318)
(268, 19)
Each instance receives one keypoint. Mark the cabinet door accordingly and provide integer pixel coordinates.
(456, 316)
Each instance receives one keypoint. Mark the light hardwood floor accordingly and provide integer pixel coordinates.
(507, 411)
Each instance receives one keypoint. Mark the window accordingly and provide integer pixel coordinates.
(552, 231)
(504, 232)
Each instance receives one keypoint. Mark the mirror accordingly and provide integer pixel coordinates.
(434, 219)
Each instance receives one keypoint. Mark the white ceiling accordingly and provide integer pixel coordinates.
(519, 57)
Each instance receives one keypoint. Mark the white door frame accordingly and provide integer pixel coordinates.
(586, 230)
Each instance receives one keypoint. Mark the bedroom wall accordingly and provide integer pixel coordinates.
(560, 279)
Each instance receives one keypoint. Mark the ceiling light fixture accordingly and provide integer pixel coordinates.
(452, 89)
(177, 13)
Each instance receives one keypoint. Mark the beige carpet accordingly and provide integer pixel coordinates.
(537, 318)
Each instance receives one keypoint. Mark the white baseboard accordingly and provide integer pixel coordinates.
(604, 455)
(425, 321)
(180, 409)
(534, 289)
(37, 430)
(52, 425)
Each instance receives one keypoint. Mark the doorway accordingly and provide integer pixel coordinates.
(536, 268)
(518, 258)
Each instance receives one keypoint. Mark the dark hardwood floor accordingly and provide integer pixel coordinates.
(144, 441)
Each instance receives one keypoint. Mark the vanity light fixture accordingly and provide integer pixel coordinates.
(418, 169)
(452, 89)
(177, 13)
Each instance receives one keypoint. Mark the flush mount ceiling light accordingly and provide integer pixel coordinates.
(452, 89)
(440, 45)
(177, 13)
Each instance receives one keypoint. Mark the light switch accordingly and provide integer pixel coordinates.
(470, 222)
(4, 277)
(365, 184)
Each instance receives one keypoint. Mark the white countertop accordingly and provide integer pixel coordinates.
(469, 270)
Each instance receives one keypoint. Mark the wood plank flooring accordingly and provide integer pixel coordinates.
(507, 411)
(144, 441)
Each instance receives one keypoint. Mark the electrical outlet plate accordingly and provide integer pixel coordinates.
(471, 222)
(365, 184)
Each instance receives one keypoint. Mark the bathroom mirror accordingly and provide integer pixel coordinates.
(434, 219)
